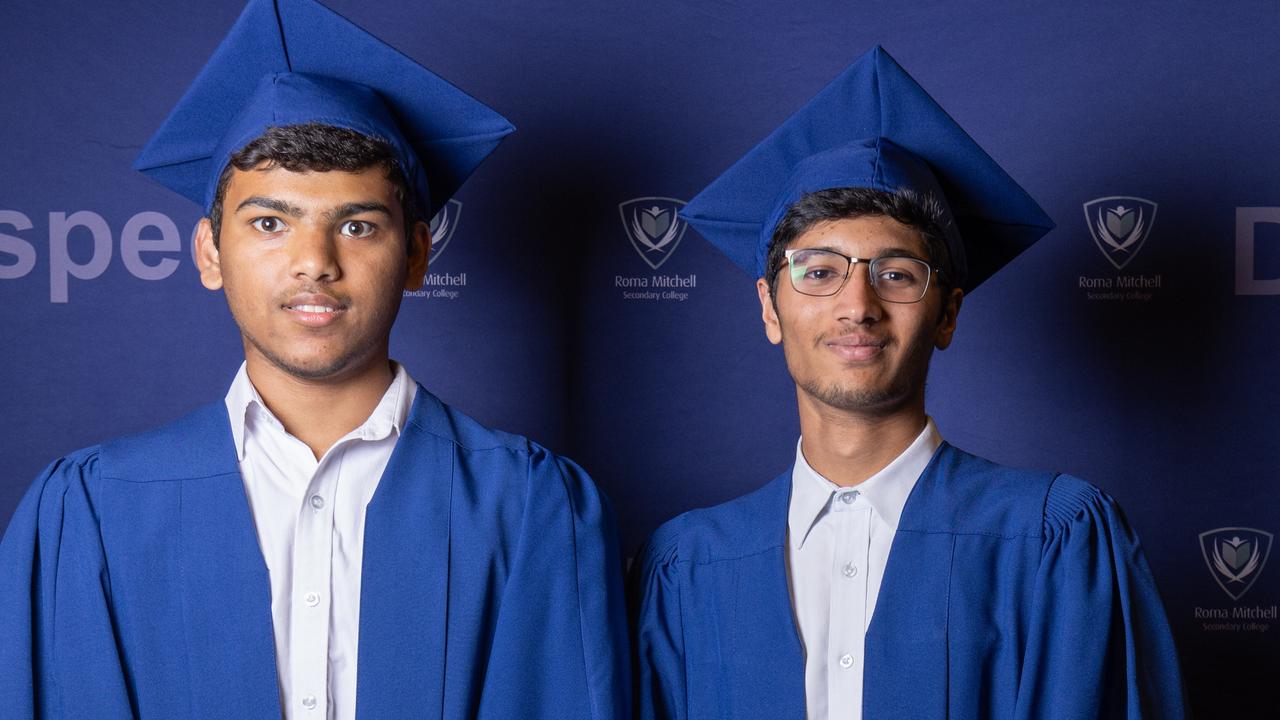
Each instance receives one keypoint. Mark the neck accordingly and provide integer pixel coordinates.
(848, 447)
(320, 412)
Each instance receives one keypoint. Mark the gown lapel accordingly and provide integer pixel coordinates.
(906, 671)
(404, 587)
(405, 575)
(225, 587)
(765, 657)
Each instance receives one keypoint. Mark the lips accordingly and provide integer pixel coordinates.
(314, 309)
(857, 347)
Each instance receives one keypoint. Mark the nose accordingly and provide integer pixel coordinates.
(313, 254)
(857, 301)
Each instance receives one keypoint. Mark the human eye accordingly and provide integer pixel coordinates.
(358, 228)
(822, 265)
(819, 272)
(897, 276)
(900, 271)
(816, 269)
(267, 225)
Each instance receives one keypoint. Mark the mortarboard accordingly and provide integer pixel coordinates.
(873, 126)
(288, 62)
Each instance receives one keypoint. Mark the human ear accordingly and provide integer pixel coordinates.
(769, 313)
(208, 258)
(947, 323)
(419, 252)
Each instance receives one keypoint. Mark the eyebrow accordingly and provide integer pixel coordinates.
(354, 208)
(271, 203)
(886, 252)
(900, 252)
(329, 216)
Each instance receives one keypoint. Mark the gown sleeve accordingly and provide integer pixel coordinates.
(658, 632)
(58, 649)
(560, 647)
(1099, 645)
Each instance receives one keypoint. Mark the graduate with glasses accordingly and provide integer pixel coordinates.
(888, 574)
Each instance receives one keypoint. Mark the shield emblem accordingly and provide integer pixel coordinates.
(1119, 226)
(1235, 557)
(442, 227)
(654, 227)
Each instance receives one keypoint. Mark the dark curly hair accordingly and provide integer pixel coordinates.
(317, 147)
(923, 213)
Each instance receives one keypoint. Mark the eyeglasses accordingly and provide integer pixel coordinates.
(893, 278)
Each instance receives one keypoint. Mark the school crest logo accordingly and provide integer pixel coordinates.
(1120, 225)
(442, 227)
(654, 227)
(1235, 557)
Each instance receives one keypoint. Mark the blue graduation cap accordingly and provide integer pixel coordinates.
(872, 127)
(289, 62)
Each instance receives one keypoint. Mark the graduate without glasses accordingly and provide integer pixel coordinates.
(329, 540)
(888, 574)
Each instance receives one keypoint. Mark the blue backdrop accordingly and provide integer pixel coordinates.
(1148, 371)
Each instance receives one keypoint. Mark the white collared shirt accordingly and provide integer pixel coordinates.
(310, 518)
(838, 542)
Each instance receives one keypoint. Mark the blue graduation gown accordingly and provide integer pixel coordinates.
(132, 584)
(1008, 594)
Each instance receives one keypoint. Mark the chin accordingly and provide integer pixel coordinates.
(314, 370)
(860, 398)
(862, 401)
(313, 367)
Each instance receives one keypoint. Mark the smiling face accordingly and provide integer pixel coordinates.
(852, 351)
(313, 265)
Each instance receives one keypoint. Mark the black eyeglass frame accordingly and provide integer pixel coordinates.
(871, 274)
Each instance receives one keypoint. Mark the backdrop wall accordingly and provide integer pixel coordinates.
(1148, 370)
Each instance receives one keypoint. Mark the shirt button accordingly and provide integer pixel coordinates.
(312, 600)
(309, 702)
(849, 497)
(849, 570)
(317, 502)
(846, 661)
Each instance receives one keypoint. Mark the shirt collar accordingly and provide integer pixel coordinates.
(390, 415)
(886, 491)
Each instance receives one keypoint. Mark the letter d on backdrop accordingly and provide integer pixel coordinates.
(1247, 219)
